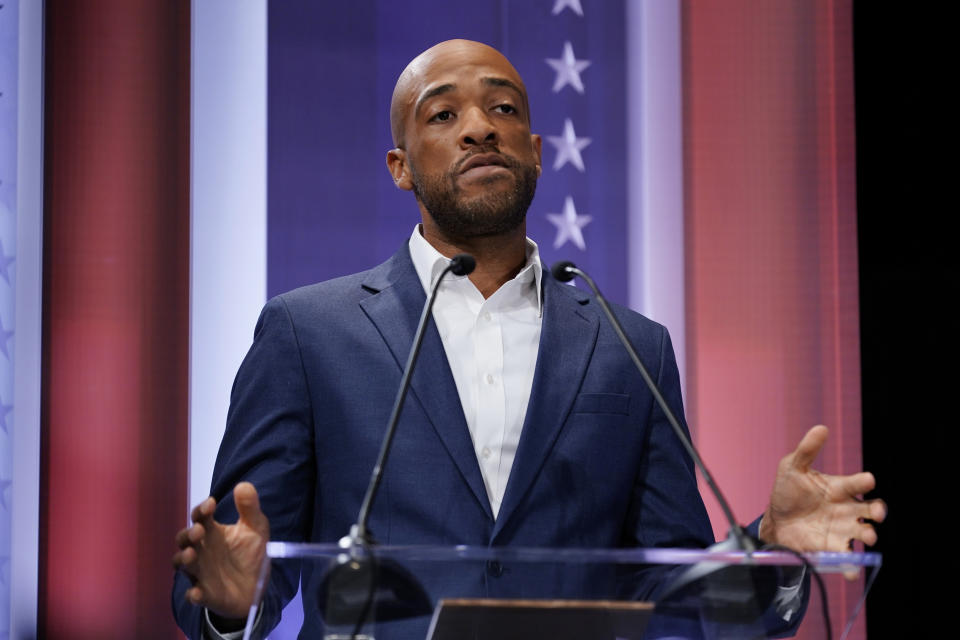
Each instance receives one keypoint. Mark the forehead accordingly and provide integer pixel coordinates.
(460, 60)
(458, 66)
(453, 64)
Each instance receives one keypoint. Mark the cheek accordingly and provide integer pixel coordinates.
(431, 157)
(521, 146)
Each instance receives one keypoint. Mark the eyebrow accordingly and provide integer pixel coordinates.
(447, 88)
(436, 91)
(501, 82)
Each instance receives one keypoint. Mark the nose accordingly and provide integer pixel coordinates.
(476, 128)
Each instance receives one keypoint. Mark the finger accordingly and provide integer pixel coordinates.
(858, 483)
(182, 538)
(809, 447)
(194, 595)
(846, 523)
(877, 510)
(248, 507)
(203, 510)
(190, 536)
(185, 559)
(874, 510)
(867, 534)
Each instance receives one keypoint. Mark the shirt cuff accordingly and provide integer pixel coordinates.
(212, 633)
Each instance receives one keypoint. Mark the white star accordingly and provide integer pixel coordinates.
(568, 69)
(568, 147)
(569, 225)
(574, 5)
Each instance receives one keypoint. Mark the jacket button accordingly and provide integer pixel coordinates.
(494, 568)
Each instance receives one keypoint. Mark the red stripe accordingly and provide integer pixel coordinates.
(116, 286)
(771, 261)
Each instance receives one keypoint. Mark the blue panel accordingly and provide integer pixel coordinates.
(331, 204)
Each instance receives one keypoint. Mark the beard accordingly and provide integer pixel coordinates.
(493, 212)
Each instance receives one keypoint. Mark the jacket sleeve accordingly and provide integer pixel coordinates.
(269, 442)
(667, 509)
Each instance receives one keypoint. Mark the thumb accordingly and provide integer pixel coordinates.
(809, 447)
(248, 507)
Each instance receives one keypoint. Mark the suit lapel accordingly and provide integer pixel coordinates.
(567, 340)
(395, 310)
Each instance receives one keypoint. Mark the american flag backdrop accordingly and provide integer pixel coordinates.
(598, 76)
(332, 208)
(179, 162)
(697, 162)
(332, 66)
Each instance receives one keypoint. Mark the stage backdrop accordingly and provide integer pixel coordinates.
(698, 161)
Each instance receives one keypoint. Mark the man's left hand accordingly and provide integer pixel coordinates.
(813, 511)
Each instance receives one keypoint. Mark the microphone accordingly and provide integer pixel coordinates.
(563, 271)
(460, 265)
(360, 582)
(728, 588)
(566, 271)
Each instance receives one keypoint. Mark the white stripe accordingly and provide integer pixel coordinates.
(228, 244)
(25, 487)
(655, 161)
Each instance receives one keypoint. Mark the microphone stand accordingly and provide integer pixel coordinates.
(728, 587)
(359, 581)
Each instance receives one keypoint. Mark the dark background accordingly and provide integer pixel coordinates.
(908, 290)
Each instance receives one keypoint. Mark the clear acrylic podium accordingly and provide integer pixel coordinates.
(479, 593)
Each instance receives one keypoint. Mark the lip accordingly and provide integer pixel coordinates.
(482, 160)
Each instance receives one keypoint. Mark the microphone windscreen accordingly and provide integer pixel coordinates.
(561, 271)
(462, 264)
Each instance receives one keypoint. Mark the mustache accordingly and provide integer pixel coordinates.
(509, 161)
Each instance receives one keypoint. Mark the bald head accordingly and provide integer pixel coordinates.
(424, 76)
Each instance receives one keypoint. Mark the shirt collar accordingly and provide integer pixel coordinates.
(429, 263)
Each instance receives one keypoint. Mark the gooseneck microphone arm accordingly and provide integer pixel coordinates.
(565, 272)
(460, 265)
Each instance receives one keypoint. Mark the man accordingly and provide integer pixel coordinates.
(527, 424)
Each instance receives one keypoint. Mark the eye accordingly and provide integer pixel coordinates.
(505, 109)
(442, 116)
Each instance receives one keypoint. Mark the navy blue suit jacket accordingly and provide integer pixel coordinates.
(597, 463)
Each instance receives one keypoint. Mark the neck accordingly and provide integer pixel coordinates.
(499, 258)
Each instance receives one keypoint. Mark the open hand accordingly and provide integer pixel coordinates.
(813, 511)
(223, 561)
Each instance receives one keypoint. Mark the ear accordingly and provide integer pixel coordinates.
(537, 143)
(399, 169)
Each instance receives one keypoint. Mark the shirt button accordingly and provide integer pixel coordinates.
(485, 453)
(486, 316)
(489, 379)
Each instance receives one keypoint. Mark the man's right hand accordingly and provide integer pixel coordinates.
(223, 561)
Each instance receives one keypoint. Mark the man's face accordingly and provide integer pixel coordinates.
(468, 154)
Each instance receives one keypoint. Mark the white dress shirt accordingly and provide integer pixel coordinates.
(491, 346)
